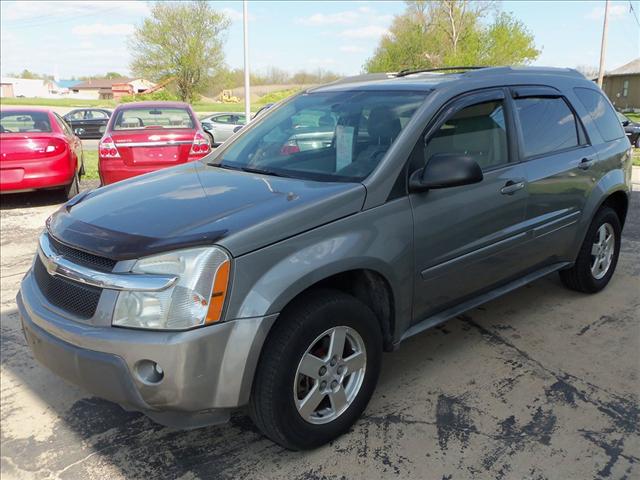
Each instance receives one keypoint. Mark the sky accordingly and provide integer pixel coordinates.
(76, 38)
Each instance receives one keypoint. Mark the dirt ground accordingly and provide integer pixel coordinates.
(541, 384)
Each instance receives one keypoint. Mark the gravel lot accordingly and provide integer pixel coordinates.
(541, 384)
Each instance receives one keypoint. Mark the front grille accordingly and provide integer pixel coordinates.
(80, 300)
(82, 258)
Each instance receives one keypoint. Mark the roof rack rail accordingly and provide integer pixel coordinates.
(403, 73)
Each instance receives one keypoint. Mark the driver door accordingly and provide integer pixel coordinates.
(469, 238)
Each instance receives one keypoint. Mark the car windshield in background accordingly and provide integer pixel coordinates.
(141, 118)
(330, 136)
(24, 122)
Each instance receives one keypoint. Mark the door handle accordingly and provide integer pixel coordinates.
(585, 164)
(512, 186)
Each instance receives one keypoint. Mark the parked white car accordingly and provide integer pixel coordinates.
(221, 126)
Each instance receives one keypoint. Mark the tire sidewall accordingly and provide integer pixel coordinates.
(605, 215)
(351, 314)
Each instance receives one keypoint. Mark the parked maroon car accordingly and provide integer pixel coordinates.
(38, 150)
(145, 136)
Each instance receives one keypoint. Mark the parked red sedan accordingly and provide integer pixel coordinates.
(146, 136)
(38, 150)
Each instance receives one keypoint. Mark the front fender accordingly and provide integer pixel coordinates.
(380, 239)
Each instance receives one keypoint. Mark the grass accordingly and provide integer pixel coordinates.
(91, 165)
(635, 157)
(634, 117)
(197, 106)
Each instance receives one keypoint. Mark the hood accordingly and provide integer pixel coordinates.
(197, 204)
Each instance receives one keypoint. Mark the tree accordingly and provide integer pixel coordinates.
(445, 33)
(181, 40)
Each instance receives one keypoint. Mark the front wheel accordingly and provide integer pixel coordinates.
(317, 371)
(598, 255)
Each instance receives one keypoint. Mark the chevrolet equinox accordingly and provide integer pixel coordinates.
(272, 273)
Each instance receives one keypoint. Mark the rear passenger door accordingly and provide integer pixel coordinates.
(467, 238)
(559, 164)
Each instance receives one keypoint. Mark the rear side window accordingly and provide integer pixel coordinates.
(139, 118)
(548, 125)
(601, 112)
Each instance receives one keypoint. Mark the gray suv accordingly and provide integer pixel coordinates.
(272, 275)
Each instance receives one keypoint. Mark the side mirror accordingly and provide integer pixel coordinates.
(445, 170)
(625, 123)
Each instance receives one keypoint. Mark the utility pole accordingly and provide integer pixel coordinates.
(603, 46)
(247, 94)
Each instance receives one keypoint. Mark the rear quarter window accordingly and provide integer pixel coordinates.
(600, 110)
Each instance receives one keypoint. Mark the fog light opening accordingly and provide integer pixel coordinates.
(149, 371)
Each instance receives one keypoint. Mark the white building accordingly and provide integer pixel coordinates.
(30, 88)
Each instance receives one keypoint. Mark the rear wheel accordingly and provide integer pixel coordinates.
(598, 255)
(317, 371)
(73, 188)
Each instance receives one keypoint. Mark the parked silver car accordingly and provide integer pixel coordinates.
(221, 126)
(273, 273)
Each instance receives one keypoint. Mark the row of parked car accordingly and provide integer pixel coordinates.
(42, 150)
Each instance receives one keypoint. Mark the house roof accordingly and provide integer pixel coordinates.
(67, 83)
(100, 83)
(631, 68)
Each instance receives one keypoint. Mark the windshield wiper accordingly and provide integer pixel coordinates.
(250, 170)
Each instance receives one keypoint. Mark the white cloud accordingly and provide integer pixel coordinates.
(103, 29)
(347, 17)
(352, 49)
(41, 12)
(370, 31)
(615, 11)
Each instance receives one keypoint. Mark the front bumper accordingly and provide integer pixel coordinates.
(207, 372)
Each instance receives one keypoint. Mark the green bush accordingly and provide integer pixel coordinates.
(161, 95)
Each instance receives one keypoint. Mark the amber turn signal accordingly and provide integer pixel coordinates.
(220, 283)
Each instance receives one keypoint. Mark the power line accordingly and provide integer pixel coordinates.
(632, 10)
(31, 24)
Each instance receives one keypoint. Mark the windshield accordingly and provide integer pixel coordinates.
(330, 136)
(139, 118)
(24, 122)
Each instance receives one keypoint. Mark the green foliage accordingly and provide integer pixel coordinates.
(274, 97)
(91, 165)
(445, 33)
(182, 40)
(29, 75)
(161, 95)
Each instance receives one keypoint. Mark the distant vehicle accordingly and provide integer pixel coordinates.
(221, 126)
(38, 151)
(88, 122)
(631, 129)
(143, 137)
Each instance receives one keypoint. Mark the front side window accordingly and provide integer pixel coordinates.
(329, 136)
(150, 118)
(24, 122)
(548, 125)
(478, 131)
(95, 115)
(603, 115)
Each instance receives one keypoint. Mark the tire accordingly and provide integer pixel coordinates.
(73, 188)
(637, 144)
(581, 277)
(273, 407)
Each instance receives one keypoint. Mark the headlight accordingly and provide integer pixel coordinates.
(195, 299)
